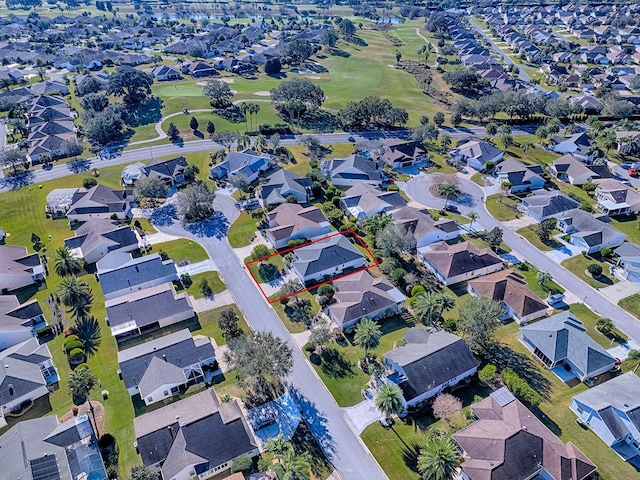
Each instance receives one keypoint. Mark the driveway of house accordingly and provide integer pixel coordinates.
(214, 301)
(620, 290)
(518, 223)
(195, 268)
(362, 414)
(559, 255)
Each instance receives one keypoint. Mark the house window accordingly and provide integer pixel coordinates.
(580, 409)
(165, 393)
(149, 399)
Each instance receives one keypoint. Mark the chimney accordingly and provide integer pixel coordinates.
(164, 357)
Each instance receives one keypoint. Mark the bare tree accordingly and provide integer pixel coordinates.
(225, 138)
(446, 406)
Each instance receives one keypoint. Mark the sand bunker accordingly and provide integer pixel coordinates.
(313, 77)
(262, 93)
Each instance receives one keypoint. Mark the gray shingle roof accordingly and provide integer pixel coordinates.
(590, 228)
(545, 204)
(320, 256)
(135, 272)
(96, 231)
(21, 371)
(563, 336)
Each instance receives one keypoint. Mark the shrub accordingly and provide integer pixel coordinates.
(326, 290)
(69, 347)
(205, 288)
(186, 281)
(488, 374)
(388, 265)
(595, 269)
(589, 187)
(520, 388)
(69, 339)
(450, 325)
(260, 251)
(606, 252)
(393, 188)
(89, 182)
(397, 274)
(163, 255)
(80, 366)
(241, 464)
(417, 290)
(76, 355)
(297, 242)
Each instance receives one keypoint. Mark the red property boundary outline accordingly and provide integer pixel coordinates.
(282, 252)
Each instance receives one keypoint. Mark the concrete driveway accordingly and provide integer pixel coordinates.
(620, 290)
(363, 414)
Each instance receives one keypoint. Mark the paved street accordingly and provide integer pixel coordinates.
(473, 199)
(146, 153)
(341, 445)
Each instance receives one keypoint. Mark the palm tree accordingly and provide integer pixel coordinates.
(445, 302)
(76, 296)
(88, 331)
(367, 335)
(634, 355)
(604, 325)
(81, 382)
(390, 400)
(543, 277)
(261, 143)
(254, 108)
(276, 445)
(438, 458)
(526, 146)
(65, 263)
(426, 307)
(473, 216)
(244, 141)
(448, 191)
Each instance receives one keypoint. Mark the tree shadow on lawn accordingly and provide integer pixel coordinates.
(145, 113)
(410, 454)
(164, 216)
(216, 226)
(15, 182)
(503, 356)
(79, 166)
(335, 364)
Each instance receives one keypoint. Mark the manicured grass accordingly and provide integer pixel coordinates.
(342, 376)
(460, 219)
(498, 207)
(146, 225)
(209, 323)
(529, 273)
(629, 226)
(216, 284)
(578, 264)
(182, 249)
(478, 179)
(530, 234)
(295, 327)
(589, 318)
(396, 448)
(631, 304)
(567, 188)
(536, 154)
(479, 239)
(242, 230)
(554, 410)
(254, 267)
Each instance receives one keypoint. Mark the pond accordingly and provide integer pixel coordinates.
(393, 20)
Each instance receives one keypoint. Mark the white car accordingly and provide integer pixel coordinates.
(556, 298)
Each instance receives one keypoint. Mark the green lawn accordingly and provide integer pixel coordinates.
(589, 318)
(498, 206)
(531, 235)
(275, 260)
(460, 219)
(578, 264)
(242, 230)
(182, 249)
(216, 284)
(478, 179)
(209, 323)
(628, 226)
(536, 154)
(341, 374)
(529, 273)
(479, 240)
(294, 327)
(631, 304)
(555, 407)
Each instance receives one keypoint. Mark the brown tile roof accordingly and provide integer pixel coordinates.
(290, 218)
(510, 287)
(453, 260)
(508, 442)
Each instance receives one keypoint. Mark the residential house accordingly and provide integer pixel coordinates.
(364, 200)
(196, 437)
(507, 441)
(59, 201)
(19, 322)
(476, 154)
(97, 237)
(569, 169)
(248, 163)
(430, 361)
(589, 104)
(158, 369)
(147, 309)
(578, 145)
(587, 231)
(561, 341)
(543, 205)
(509, 288)
(327, 258)
(28, 372)
(163, 73)
(200, 69)
(404, 154)
(457, 263)
(120, 274)
(290, 221)
(617, 198)
(100, 202)
(362, 295)
(283, 184)
(424, 228)
(49, 87)
(628, 142)
(45, 449)
(612, 411)
(18, 268)
(347, 172)
(169, 171)
(521, 177)
(628, 255)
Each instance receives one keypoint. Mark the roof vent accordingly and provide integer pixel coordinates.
(524, 427)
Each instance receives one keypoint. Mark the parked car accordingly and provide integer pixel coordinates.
(555, 298)
(451, 208)
(351, 138)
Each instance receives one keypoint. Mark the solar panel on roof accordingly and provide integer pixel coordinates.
(45, 468)
(503, 397)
